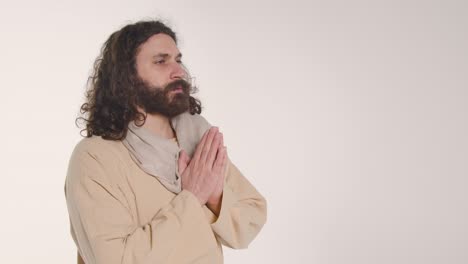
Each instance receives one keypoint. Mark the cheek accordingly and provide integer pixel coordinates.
(159, 75)
(153, 76)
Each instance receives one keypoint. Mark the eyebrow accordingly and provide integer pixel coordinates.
(165, 55)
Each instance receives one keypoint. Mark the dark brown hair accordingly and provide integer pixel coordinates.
(111, 95)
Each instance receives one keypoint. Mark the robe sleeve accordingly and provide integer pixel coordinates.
(243, 211)
(104, 228)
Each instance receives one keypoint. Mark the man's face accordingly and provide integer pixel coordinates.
(163, 89)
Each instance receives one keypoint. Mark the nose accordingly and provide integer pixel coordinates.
(177, 71)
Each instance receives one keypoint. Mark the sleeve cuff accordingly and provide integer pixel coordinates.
(189, 197)
(223, 219)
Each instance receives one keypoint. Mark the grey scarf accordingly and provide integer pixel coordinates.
(159, 156)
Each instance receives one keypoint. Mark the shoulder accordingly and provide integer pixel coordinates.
(97, 154)
(95, 166)
(96, 145)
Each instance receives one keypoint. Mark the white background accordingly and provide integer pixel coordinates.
(351, 117)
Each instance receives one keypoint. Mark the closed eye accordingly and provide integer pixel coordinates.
(163, 61)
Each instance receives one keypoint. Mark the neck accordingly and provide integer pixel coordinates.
(159, 125)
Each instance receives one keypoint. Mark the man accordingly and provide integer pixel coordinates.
(152, 182)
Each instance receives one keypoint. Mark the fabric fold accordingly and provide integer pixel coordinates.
(159, 156)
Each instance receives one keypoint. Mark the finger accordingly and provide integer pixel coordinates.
(185, 157)
(207, 144)
(198, 153)
(219, 149)
(219, 173)
(223, 169)
(199, 148)
(217, 142)
(218, 166)
(225, 160)
(180, 162)
(221, 142)
(183, 161)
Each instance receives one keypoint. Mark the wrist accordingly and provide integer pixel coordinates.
(214, 200)
(215, 204)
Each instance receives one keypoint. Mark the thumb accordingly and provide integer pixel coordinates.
(183, 161)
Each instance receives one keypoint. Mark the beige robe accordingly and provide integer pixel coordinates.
(120, 214)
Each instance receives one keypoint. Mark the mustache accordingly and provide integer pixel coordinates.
(181, 83)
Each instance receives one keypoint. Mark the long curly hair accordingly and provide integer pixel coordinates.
(111, 97)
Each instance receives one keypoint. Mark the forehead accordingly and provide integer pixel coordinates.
(159, 43)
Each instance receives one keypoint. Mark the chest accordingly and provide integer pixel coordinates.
(145, 195)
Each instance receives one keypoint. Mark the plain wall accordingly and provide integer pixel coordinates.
(349, 116)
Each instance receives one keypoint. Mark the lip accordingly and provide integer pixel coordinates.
(178, 90)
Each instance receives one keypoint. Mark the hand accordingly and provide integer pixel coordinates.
(214, 202)
(200, 174)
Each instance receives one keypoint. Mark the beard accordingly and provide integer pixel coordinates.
(162, 100)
